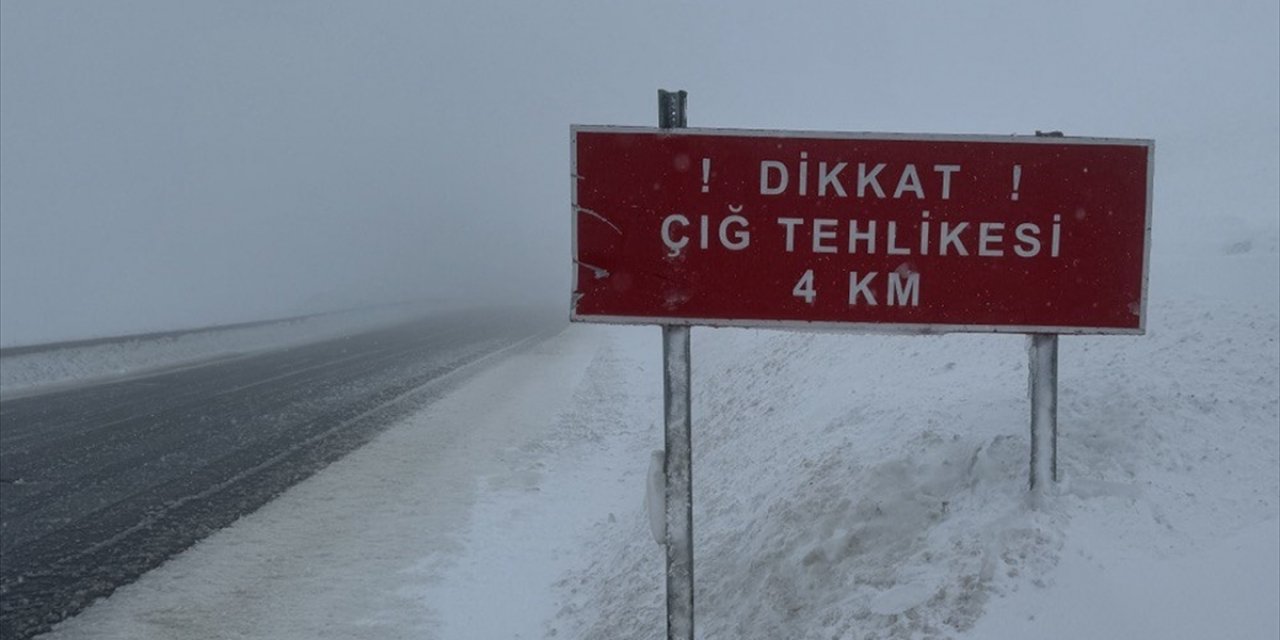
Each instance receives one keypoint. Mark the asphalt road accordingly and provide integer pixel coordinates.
(100, 484)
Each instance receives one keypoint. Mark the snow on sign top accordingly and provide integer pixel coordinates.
(866, 232)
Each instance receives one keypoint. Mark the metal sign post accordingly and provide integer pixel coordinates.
(1042, 351)
(678, 441)
(1043, 389)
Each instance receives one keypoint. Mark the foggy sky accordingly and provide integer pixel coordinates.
(170, 165)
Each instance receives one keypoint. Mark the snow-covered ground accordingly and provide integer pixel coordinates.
(29, 372)
(845, 487)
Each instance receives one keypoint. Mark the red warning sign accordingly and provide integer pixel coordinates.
(897, 233)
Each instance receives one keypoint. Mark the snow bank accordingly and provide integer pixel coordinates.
(32, 372)
(1228, 590)
(871, 487)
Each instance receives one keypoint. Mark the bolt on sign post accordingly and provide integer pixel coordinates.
(859, 232)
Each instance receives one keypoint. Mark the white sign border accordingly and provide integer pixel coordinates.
(858, 327)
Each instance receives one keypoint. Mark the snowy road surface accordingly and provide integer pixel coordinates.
(454, 523)
(105, 482)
